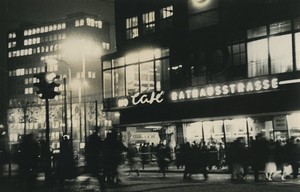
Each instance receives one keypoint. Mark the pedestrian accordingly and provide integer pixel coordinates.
(66, 163)
(259, 154)
(163, 157)
(293, 150)
(28, 161)
(113, 149)
(270, 165)
(133, 159)
(95, 158)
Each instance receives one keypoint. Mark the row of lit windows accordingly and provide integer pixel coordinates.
(44, 29)
(30, 80)
(36, 50)
(89, 22)
(49, 38)
(30, 71)
(148, 21)
(142, 71)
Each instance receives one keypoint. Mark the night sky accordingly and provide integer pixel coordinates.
(15, 12)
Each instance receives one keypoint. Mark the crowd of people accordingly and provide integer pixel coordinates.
(264, 155)
(104, 156)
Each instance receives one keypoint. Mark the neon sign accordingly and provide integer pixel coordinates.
(139, 98)
(225, 89)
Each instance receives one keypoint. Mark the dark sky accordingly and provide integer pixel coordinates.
(15, 12)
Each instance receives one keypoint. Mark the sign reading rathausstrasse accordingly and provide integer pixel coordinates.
(201, 92)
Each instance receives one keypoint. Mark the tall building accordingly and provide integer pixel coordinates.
(71, 48)
(205, 70)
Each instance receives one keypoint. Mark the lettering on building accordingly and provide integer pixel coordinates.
(225, 89)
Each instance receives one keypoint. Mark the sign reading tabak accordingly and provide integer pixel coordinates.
(226, 89)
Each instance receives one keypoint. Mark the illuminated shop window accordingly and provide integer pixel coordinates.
(281, 54)
(274, 52)
(147, 77)
(144, 73)
(258, 58)
(132, 79)
(119, 82)
(132, 28)
(149, 22)
(107, 83)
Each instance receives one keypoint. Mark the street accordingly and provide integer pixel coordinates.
(151, 180)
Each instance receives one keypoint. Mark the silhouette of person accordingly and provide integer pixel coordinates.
(95, 158)
(66, 163)
(112, 156)
(28, 161)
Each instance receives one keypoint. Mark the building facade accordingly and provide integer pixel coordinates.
(205, 70)
(71, 48)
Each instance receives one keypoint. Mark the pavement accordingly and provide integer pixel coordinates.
(151, 180)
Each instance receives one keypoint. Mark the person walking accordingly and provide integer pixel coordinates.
(163, 157)
(133, 159)
(66, 163)
(28, 161)
(95, 158)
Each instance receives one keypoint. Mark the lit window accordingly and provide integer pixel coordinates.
(81, 22)
(257, 32)
(25, 32)
(46, 29)
(132, 28)
(63, 25)
(38, 30)
(149, 22)
(29, 32)
(25, 42)
(54, 27)
(33, 31)
(42, 29)
(258, 58)
(26, 81)
(50, 28)
(167, 12)
(281, 54)
(280, 27)
(20, 72)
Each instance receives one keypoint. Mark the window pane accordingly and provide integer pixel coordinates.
(118, 62)
(106, 64)
(132, 79)
(162, 74)
(280, 27)
(258, 58)
(147, 77)
(118, 82)
(281, 54)
(107, 84)
(257, 32)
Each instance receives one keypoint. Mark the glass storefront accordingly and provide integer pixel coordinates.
(274, 127)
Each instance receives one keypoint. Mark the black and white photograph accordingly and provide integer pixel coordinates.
(149, 95)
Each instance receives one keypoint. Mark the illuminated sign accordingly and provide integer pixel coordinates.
(233, 88)
(141, 98)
